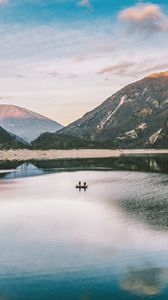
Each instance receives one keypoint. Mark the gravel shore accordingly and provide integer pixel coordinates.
(24, 154)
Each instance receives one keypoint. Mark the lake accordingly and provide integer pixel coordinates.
(108, 242)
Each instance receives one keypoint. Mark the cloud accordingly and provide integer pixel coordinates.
(157, 67)
(118, 69)
(49, 55)
(19, 76)
(3, 2)
(61, 75)
(84, 3)
(133, 69)
(141, 12)
(2, 99)
(146, 17)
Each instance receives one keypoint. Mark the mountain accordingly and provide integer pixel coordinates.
(8, 141)
(59, 140)
(24, 123)
(134, 117)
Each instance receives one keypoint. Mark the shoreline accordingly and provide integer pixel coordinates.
(24, 154)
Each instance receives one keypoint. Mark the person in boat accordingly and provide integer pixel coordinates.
(79, 186)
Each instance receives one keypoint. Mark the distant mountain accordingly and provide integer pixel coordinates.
(134, 117)
(8, 141)
(24, 123)
(59, 140)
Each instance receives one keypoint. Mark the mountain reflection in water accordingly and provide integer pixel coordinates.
(110, 242)
(158, 163)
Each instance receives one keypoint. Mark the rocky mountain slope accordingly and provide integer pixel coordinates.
(134, 117)
(25, 123)
(8, 141)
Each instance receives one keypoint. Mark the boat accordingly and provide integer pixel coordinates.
(82, 187)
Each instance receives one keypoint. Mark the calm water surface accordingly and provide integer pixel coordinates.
(110, 242)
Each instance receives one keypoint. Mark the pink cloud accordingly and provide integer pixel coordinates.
(147, 17)
(118, 69)
(157, 67)
(85, 3)
(141, 12)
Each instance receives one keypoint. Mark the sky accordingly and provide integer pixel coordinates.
(62, 58)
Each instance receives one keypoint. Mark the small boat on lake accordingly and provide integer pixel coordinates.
(79, 186)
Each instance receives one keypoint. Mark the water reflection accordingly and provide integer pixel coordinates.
(20, 169)
(146, 200)
(25, 170)
(148, 281)
(108, 243)
(154, 213)
(158, 163)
